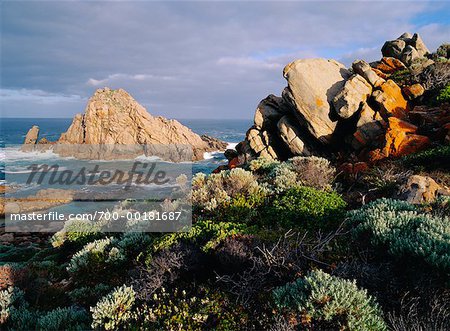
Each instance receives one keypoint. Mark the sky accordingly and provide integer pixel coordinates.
(181, 59)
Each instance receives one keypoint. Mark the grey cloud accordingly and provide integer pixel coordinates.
(185, 59)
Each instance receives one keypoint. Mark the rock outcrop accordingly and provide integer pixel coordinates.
(113, 117)
(407, 48)
(32, 136)
(312, 85)
(365, 113)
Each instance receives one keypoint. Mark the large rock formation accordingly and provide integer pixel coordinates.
(368, 112)
(113, 117)
(407, 48)
(312, 85)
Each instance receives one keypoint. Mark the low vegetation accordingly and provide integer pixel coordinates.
(274, 246)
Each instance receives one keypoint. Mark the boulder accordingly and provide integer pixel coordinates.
(260, 142)
(355, 91)
(214, 143)
(419, 189)
(32, 136)
(419, 45)
(290, 134)
(413, 91)
(401, 139)
(370, 128)
(393, 48)
(407, 48)
(113, 117)
(268, 112)
(388, 65)
(312, 85)
(390, 100)
(410, 55)
(363, 69)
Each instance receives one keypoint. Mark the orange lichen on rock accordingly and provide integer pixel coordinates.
(389, 65)
(400, 139)
(391, 100)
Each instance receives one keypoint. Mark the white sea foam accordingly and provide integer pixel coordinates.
(231, 145)
(211, 155)
(15, 154)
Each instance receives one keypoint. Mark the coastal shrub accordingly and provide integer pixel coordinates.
(9, 298)
(313, 171)
(96, 256)
(441, 206)
(401, 77)
(11, 275)
(14, 312)
(307, 207)
(68, 318)
(385, 179)
(405, 231)
(434, 158)
(132, 243)
(212, 191)
(79, 232)
(242, 208)
(205, 310)
(444, 50)
(166, 267)
(207, 234)
(418, 313)
(444, 95)
(284, 177)
(324, 301)
(262, 165)
(115, 310)
(86, 295)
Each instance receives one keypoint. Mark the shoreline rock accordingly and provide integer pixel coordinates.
(114, 117)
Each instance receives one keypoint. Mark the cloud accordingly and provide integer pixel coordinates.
(37, 96)
(191, 59)
(248, 62)
(120, 77)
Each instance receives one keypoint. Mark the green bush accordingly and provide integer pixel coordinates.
(79, 232)
(405, 231)
(104, 254)
(96, 256)
(86, 295)
(434, 158)
(262, 165)
(444, 95)
(10, 297)
(324, 301)
(306, 207)
(212, 191)
(207, 234)
(71, 318)
(205, 310)
(115, 311)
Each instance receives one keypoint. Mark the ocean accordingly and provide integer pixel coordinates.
(14, 164)
(13, 131)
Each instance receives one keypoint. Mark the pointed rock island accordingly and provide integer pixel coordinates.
(114, 117)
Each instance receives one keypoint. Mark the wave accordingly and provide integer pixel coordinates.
(10, 154)
(218, 153)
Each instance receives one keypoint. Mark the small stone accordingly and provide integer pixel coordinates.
(419, 189)
(414, 91)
